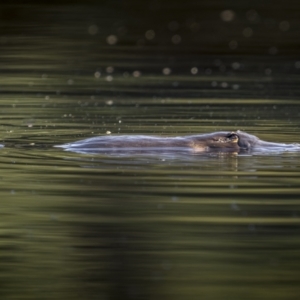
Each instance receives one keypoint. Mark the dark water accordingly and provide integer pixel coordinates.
(78, 226)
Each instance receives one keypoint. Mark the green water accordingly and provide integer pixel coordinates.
(78, 226)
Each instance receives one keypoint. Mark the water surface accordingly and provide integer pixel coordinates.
(88, 226)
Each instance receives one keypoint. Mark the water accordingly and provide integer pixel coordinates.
(86, 226)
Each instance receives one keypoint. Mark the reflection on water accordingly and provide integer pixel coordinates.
(146, 226)
(85, 226)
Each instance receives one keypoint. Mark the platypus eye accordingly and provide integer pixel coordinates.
(232, 136)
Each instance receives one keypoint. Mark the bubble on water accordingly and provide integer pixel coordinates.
(176, 39)
(93, 29)
(97, 74)
(136, 73)
(247, 32)
(194, 70)
(108, 132)
(150, 34)
(110, 69)
(166, 71)
(284, 26)
(112, 39)
(227, 15)
(109, 102)
(47, 97)
(235, 86)
(224, 85)
(70, 82)
(214, 83)
(235, 65)
(109, 78)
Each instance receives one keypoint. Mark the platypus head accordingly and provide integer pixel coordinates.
(235, 140)
(243, 140)
(219, 141)
(223, 140)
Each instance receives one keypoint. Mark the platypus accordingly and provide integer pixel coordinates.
(222, 141)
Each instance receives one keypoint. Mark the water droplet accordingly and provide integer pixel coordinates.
(235, 65)
(150, 34)
(97, 74)
(136, 74)
(227, 15)
(93, 29)
(109, 102)
(110, 69)
(166, 71)
(176, 39)
(112, 39)
(194, 70)
(284, 26)
(248, 32)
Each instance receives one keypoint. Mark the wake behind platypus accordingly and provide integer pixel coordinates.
(216, 142)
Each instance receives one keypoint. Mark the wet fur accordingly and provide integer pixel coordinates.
(222, 141)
